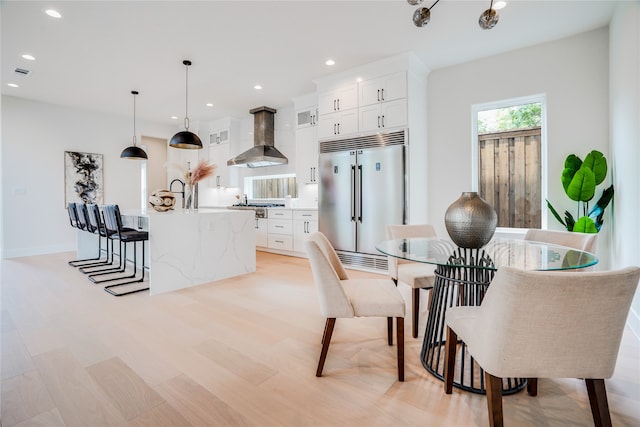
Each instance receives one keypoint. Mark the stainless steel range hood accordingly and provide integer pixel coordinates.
(263, 153)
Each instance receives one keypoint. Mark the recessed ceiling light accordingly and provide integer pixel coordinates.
(257, 87)
(330, 62)
(29, 57)
(174, 117)
(499, 4)
(53, 13)
(359, 79)
(209, 104)
(12, 85)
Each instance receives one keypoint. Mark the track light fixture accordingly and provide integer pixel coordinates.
(421, 17)
(185, 138)
(134, 152)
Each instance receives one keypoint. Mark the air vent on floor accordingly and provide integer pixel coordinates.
(22, 71)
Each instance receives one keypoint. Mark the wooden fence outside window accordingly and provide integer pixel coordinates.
(510, 176)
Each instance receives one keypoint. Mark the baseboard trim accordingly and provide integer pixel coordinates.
(41, 250)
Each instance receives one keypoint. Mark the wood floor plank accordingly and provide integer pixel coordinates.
(50, 418)
(74, 392)
(23, 397)
(128, 392)
(163, 415)
(199, 406)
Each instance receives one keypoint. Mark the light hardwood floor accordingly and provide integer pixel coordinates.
(237, 352)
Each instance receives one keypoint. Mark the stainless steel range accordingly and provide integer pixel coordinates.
(259, 208)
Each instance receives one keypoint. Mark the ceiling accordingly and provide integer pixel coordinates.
(99, 51)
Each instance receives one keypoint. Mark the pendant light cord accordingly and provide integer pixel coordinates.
(134, 116)
(186, 103)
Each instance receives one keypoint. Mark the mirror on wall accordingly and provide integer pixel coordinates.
(271, 187)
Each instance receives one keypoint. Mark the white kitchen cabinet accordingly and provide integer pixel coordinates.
(305, 222)
(345, 98)
(307, 155)
(280, 229)
(336, 124)
(262, 232)
(218, 155)
(384, 115)
(383, 89)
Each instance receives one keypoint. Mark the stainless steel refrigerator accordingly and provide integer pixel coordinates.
(362, 189)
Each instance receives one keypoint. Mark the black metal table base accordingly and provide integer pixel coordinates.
(459, 284)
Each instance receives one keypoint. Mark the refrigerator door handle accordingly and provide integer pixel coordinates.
(360, 194)
(353, 192)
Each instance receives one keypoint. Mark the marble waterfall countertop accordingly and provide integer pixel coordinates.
(192, 247)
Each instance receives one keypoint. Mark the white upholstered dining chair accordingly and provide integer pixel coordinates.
(587, 242)
(341, 297)
(545, 324)
(415, 274)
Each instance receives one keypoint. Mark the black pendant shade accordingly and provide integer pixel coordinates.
(185, 138)
(134, 152)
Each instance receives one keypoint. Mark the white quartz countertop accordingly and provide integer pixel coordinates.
(199, 211)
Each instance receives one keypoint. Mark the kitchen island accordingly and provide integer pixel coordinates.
(189, 248)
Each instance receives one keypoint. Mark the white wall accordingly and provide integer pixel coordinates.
(624, 68)
(572, 72)
(34, 138)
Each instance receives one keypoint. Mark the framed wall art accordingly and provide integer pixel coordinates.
(83, 177)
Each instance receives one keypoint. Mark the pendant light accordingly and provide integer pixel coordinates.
(134, 152)
(489, 18)
(186, 139)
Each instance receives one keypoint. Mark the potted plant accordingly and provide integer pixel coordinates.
(579, 180)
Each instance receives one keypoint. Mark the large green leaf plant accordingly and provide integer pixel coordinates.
(579, 180)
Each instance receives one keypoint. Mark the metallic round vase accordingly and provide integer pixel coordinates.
(470, 221)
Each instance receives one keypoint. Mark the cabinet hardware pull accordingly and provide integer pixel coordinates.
(378, 95)
(334, 128)
(338, 128)
(334, 105)
(279, 241)
(382, 95)
(378, 121)
(383, 120)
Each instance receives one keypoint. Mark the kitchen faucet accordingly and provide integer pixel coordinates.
(180, 192)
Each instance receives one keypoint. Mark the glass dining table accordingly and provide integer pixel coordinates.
(462, 277)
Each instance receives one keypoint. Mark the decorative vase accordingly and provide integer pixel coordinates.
(470, 221)
(191, 196)
(188, 196)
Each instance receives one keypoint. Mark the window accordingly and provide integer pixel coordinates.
(271, 187)
(509, 156)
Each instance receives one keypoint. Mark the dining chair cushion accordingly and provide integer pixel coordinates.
(374, 297)
(416, 275)
(548, 324)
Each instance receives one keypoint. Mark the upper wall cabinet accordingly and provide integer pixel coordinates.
(383, 89)
(338, 100)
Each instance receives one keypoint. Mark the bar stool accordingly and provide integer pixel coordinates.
(115, 230)
(96, 226)
(78, 220)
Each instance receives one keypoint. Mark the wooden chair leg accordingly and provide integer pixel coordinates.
(494, 399)
(450, 359)
(598, 401)
(400, 340)
(390, 330)
(326, 339)
(532, 386)
(415, 300)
